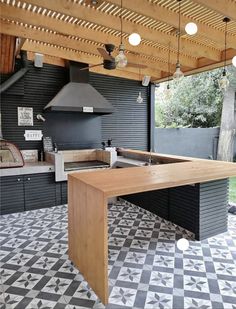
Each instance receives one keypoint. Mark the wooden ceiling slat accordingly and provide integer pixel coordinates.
(90, 15)
(56, 39)
(226, 7)
(69, 29)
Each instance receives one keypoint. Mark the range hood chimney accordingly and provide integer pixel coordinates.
(78, 95)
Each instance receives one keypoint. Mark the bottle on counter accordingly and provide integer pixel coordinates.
(55, 148)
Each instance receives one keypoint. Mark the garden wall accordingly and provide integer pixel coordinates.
(193, 142)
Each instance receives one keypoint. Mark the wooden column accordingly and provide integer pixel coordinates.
(87, 232)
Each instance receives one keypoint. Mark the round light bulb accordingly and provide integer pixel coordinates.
(183, 244)
(178, 73)
(121, 60)
(234, 61)
(223, 82)
(191, 28)
(139, 98)
(134, 39)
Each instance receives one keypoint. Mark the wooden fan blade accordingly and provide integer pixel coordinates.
(104, 54)
(136, 65)
(91, 66)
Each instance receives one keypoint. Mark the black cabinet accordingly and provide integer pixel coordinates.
(40, 191)
(64, 192)
(27, 192)
(11, 194)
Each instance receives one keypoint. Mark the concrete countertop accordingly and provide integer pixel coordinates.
(28, 168)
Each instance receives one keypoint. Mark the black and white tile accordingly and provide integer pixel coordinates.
(146, 269)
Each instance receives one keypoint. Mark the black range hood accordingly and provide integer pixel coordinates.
(78, 95)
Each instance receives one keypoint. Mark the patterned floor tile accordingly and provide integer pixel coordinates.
(146, 270)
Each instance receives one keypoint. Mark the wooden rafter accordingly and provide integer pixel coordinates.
(66, 29)
(94, 16)
(65, 41)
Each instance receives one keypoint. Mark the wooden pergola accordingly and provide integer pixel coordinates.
(73, 29)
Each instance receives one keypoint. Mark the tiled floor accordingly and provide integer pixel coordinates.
(146, 270)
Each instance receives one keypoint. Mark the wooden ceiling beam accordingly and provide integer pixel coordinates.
(169, 17)
(10, 28)
(91, 15)
(226, 7)
(60, 52)
(67, 29)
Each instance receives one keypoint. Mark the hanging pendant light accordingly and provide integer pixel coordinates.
(168, 89)
(121, 59)
(234, 61)
(191, 28)
(224, 82)
(178, 73)
(134, 39)
(139, 98)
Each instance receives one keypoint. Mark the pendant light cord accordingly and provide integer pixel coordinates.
(226, 22)
(121, 22)
(168, 65)
(179, 33)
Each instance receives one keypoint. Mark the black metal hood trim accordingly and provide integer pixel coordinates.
(78, 95)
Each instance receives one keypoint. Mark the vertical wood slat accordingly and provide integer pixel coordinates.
(7, 53)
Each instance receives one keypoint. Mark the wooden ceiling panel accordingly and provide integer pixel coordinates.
(7, 53)
(72, 28)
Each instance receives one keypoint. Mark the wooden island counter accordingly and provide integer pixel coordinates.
(203, 183)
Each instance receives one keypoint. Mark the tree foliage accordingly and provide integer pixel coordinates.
(195, 101)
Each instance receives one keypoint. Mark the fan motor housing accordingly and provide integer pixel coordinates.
(109, 64)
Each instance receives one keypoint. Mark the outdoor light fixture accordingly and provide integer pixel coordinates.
(139, 98)
(191, 28)
(224, 82)
(178, 73)
(168, 90)
(121, 59)
(134, 39)
(234, 61)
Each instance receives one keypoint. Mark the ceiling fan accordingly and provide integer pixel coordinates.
(109, 62)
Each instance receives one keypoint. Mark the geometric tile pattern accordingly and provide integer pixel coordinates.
(146, 269)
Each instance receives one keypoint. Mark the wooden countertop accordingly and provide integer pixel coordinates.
(116, 182)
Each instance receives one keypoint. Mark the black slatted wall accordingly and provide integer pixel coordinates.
(128, 126)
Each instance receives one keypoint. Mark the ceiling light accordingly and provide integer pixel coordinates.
(139, 98)
(178, 73)
(224, 82)
(134, 39)
(191, 28)
(121, 59)
(234, 61)
(168, 90)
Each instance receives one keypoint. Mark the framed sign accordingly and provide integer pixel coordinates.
(33, 135)
(25, 116)
(47, 144)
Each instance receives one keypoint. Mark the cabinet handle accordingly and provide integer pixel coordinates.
(18, 179)
(28, 178)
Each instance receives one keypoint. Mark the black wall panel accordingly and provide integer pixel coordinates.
(128, 126)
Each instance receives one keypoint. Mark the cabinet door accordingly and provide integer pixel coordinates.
(64, 192)
(40, 191)
(11, 194)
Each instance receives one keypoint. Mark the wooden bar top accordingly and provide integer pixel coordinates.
(116, 182)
